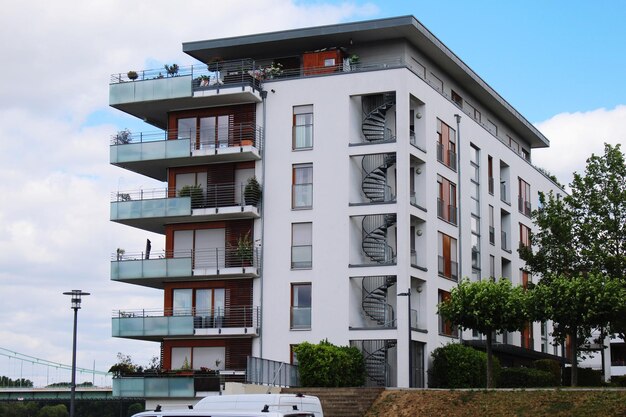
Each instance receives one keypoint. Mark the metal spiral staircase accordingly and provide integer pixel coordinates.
(374, 243)
(374, 125)
(374, 299)
(374, 183)
(375, 356)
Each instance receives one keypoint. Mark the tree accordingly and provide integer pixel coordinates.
(58, 410)
(585, 232)
(487, 307)
(578, 305)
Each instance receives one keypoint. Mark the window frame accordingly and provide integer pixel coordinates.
(294, 185)
(302, 110)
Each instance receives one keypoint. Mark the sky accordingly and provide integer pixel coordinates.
(560, 63)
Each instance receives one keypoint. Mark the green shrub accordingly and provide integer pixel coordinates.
(459, 366)
(587, 377)
(327, 365)
(619, 381)
(525, 378)
(552, 366)
(193, 191)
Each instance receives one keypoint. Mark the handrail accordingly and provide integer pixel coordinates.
(222, 257)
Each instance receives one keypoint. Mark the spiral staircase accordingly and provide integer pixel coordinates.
(374, 299)
(374, 242)
(374, 182)
(374, 126)
(375, 355)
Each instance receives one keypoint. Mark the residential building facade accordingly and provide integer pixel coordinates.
(387, 170)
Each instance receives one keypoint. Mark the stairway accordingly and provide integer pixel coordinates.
(374, 299)
(374, 126)
(374, 183)
(341, 402)
(375, 358)
(374, 242)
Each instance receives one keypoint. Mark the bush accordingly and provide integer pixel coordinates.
(587, 377)
(459, 366)
(552, 366)
(619, 381)
(525, 378)
(193, 191)
(327, 365)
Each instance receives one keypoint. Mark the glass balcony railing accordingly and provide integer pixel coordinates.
(183, 322)
(128, 267)
(154, 386)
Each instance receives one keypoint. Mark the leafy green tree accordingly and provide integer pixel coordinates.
(488, 307)
(327, 365)
(578, 305)
(19, 382)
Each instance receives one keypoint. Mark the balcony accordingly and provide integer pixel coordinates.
(447, 268)
(446, 156)
(446, 212)
(162, 267)
(504, 195)
(151, 209)
(169, 384)
(492, 235)
(417, 261)
(151, 94)
(524, 206)
(154, 325)
(151, 153)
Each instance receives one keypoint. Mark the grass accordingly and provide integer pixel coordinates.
(520, 403)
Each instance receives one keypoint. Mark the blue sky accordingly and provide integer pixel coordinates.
(560, 63)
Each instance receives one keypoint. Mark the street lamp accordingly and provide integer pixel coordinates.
(76, 298)
(408, 295)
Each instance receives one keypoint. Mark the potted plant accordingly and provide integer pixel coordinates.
(132, 75)
(172, 70)
(252, 192)
(122, 137)
(193, 191)
(244, 249)
(354, 61)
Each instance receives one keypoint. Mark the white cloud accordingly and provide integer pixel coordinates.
(575, 136)
(54, 230)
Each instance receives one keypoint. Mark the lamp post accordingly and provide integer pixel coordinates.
(408, 295)
(76, 299)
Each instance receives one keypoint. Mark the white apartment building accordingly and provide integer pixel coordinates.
(388, 169)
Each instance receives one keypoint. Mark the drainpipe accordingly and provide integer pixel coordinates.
(458, 217)
(263, 144)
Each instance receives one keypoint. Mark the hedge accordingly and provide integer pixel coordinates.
(525, 378)
(552, 366)
(587, 377)
(327, 365)
(459, 366)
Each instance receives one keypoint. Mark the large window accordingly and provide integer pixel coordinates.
(302, 127)
(448, 266)
(524, 197)
(301, 306)
(207, 304)
(446, 203)
(446, 145)
(445, 327)
(215, 131)
(302, 186)
(301, 246)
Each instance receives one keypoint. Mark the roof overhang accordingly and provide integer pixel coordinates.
(296, 41)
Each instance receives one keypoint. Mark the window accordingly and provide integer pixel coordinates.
(214, 131)
(492, 229)
(445, 327)
(457, 99)
(491, 126)
(525, 278)
(524, 235)
(447, 265)
(198, 357)
(475, 227)
(302, 191)
(205, 304)
(301, 245)
(513, 144)
(446, 203)
(490, 173)
(492, 267)
(473, 112)
(526, 154)
(446, 145)
(300, 306)
(302, 127)
(475, 163)
(524, 197)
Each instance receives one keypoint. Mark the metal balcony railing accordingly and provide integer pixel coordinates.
(450, 156)
(237, 134)
(492, 235)
(213, 258)
(504, 196)
(524, 206)
(447, 268)
(273, 373)
(211, 196)
(446, 212)
(214, 318)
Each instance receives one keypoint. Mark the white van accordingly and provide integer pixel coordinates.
(248, 405)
